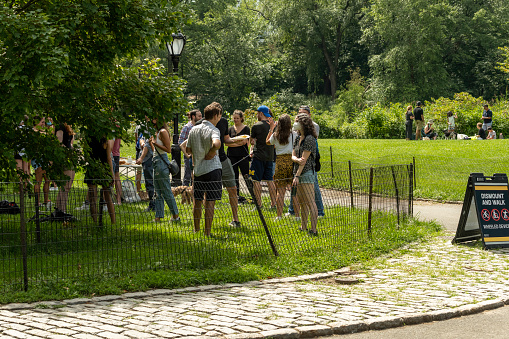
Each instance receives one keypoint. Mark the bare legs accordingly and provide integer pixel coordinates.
(63, 193)
(306, 195)
(209, 214)
(118, 188)
(257, 188)
(92, 198)
(234, 201)
(281, 190)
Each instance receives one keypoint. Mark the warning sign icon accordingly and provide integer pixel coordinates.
(485, 214)
(495, 214)
(505, 214)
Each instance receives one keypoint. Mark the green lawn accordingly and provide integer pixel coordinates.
(442, 166)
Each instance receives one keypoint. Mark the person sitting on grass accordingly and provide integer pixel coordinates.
(429, 131)
(491, 134)
(481, 134)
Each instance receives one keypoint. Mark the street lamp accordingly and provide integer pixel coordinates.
(175, 48)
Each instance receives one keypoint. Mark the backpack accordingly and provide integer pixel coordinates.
(318, 166)
(7, 207)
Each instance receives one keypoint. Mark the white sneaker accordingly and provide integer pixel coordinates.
(287, 214)
(83, 207)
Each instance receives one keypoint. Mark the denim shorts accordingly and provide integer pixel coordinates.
(307, 178)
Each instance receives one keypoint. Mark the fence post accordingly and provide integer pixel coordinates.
(331, 162)
(37, 216)
(351, 183)
(415, 181)
(249, 184)
(370, 199)
(397, 191)
(23, 234)
(410, 189)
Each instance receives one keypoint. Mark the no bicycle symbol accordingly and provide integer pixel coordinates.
(485, 215)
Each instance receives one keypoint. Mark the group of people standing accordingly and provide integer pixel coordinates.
(485, 130)
(279, 156)
(65, 135)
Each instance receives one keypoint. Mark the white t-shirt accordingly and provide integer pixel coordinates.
(283, 149)
(200, 142)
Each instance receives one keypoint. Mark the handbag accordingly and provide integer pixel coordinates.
(172, 166)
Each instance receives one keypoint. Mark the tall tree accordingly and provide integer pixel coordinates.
(422, 49)
(227, 57)
(323, 34)
(59, 59)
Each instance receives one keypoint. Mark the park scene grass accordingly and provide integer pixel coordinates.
(237, 255)
(442, 166)
(65, 262)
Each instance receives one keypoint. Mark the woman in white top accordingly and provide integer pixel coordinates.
(282, 139)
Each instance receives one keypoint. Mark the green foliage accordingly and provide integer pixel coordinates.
(422, 49)
(504, 66)
(59, 59)
(351, 98)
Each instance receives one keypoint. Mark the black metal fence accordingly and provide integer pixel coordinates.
(37, 245)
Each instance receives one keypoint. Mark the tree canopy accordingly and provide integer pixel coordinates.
(60, 59)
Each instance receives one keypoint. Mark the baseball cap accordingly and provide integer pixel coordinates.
(265, 110)
(305, 107)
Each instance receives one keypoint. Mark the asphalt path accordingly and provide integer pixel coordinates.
(489, 324)
(446, 215)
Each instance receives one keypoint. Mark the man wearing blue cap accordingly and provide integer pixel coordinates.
(262, 165)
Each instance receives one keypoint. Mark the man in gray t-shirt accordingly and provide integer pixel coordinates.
(203, 142)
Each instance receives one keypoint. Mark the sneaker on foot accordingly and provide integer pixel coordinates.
(175, 219)
(288, 214)
(234, 223)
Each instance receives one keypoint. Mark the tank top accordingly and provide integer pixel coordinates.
(159, 142)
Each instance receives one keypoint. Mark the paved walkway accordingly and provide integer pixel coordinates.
(419, 283)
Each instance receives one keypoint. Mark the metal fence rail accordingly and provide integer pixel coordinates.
(35, 247)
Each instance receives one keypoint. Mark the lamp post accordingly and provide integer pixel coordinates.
(175, 48)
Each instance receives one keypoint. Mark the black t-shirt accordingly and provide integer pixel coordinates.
(487, 114)
(222, 126)
(482, 133)
(409, 114)
(418, 112)
(262, 151)
(240, 151)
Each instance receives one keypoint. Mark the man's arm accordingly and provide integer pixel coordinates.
(216, 144)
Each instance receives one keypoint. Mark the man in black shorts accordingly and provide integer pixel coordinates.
(203, 143)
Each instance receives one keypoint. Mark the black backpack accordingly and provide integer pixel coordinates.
(7, 207)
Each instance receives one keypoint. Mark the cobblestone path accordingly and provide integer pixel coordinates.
(422, 282)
